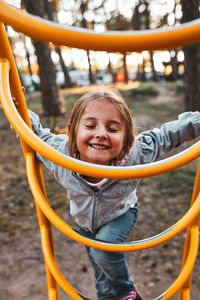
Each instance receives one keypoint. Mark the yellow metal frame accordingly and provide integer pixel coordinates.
(111, 41)
(10, 85)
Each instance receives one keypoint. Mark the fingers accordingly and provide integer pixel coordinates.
(15, 101)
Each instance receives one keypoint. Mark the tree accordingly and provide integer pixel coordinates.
(140, 21)
(174, 75)
(50, 96)
(83, 8)
(190, 11)
(121, 24)
(50, 8)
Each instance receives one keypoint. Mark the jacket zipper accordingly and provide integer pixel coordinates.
(95, 195)
(94, 212)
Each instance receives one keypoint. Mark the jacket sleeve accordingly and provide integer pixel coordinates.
(56, 141)
(157, 142)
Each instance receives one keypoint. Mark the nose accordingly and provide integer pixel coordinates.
(101, 133)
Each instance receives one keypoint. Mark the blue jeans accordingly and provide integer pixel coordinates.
(113, 280)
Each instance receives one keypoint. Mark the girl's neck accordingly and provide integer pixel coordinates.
(92, 179)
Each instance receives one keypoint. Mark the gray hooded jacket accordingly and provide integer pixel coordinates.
(92, 209)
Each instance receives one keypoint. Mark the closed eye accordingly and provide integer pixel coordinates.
(90, 126)
(113, 129)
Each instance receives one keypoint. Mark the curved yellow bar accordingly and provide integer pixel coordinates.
(185, 294)
(111, 41)
(186, 271)
(78, 166)
(168, 294)
(49, 259)
(124, 247)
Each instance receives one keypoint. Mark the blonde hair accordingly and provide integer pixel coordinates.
(117, 100)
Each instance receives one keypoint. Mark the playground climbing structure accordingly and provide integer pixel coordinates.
(10, 85)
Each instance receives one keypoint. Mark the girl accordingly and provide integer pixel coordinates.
(101, 131)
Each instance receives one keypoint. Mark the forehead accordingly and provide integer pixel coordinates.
(102, 107)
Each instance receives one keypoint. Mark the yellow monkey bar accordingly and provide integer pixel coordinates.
(111, 41)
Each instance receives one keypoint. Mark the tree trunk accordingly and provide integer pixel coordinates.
(50, 96)
(50, 9)
(28, 61)
(91, 75)
(174, 64)
(192, 59)
(83, 9)
(141, 21)
(125, 68)
(110, 70)
(155, 78)
(68, 82)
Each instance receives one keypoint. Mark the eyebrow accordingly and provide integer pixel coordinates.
(94, 119)
(89, 118)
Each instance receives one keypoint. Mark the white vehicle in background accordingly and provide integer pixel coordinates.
(81, 77)
(78, 78)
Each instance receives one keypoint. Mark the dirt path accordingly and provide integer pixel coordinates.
(22, 270)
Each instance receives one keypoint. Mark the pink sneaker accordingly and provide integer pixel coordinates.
(131, 296)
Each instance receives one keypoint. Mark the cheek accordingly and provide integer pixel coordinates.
(118, 143)
(81, 138)
(78, 140)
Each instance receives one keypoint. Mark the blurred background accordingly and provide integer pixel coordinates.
(49, 68)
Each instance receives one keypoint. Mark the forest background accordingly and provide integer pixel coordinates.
(102, 15)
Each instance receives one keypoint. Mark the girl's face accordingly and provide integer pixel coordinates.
(100, 133)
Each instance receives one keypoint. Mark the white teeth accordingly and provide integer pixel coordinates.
(99, 147)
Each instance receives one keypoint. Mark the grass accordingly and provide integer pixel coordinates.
(156, 111)
(178, 183)
(70, 99)
(137, 100)
(34, 102)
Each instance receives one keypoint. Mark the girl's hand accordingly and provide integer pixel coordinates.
(15, 100)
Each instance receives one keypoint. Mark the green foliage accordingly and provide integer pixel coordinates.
(156, 111)
(34, 102)
(179, 182)
(70, 99)
(138, 101)
(144, 89)
(180, 88)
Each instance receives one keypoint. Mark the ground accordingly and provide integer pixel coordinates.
(22, 269)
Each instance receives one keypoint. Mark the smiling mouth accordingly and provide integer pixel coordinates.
(101, 147)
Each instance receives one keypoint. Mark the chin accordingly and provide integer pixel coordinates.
(100, 162)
